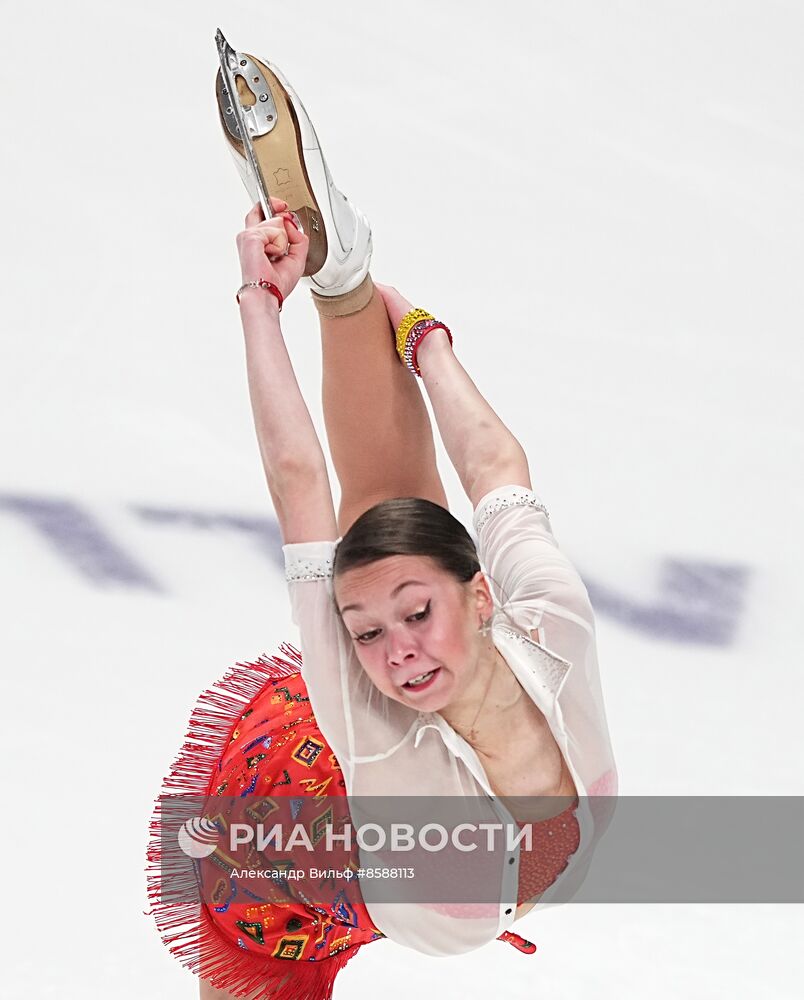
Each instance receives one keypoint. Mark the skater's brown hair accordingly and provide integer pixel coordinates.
(408, 526)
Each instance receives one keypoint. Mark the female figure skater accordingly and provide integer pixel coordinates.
(433, 666)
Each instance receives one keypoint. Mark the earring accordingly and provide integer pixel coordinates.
(485, 627)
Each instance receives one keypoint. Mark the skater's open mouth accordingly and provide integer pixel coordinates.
(422, 680)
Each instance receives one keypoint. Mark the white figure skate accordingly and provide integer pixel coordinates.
(277, 154)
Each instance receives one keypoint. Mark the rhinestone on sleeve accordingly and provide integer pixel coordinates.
(308, 568)
(508, 499)
(548, 667)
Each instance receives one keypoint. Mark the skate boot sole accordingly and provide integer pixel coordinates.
(280, 159)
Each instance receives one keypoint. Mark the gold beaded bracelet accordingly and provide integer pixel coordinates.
(409, 320)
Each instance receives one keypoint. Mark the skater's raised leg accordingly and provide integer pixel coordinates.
(377, 423)
(378, 427)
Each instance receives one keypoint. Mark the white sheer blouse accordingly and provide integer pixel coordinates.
(544, 627)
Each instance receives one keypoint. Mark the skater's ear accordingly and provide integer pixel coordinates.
(481, 601)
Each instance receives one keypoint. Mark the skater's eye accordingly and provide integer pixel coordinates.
(421, 615)
(366, 636)
(418, 616)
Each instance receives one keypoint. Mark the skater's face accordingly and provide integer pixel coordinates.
(407, 616)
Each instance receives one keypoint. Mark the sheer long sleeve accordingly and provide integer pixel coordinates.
(541, 592)
(534, 582)
(359, 722)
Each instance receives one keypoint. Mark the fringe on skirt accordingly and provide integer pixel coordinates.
(186, 927)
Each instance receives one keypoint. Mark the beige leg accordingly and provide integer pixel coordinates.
(209, 992)
(378, 427)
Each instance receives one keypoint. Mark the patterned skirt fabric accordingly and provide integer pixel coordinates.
(254, 735)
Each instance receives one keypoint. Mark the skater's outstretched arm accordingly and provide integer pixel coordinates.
(292, 457)
(484, 453)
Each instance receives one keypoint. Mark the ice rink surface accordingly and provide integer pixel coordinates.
(606, 204)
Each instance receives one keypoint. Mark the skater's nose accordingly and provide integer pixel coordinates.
(400, 647)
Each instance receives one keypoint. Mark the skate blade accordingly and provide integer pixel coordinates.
(259, 122)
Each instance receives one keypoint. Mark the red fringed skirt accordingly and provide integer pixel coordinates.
(254, 734)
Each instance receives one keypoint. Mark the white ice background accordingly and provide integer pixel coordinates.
(604, 201)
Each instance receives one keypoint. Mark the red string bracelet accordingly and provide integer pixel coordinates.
(269, 286)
